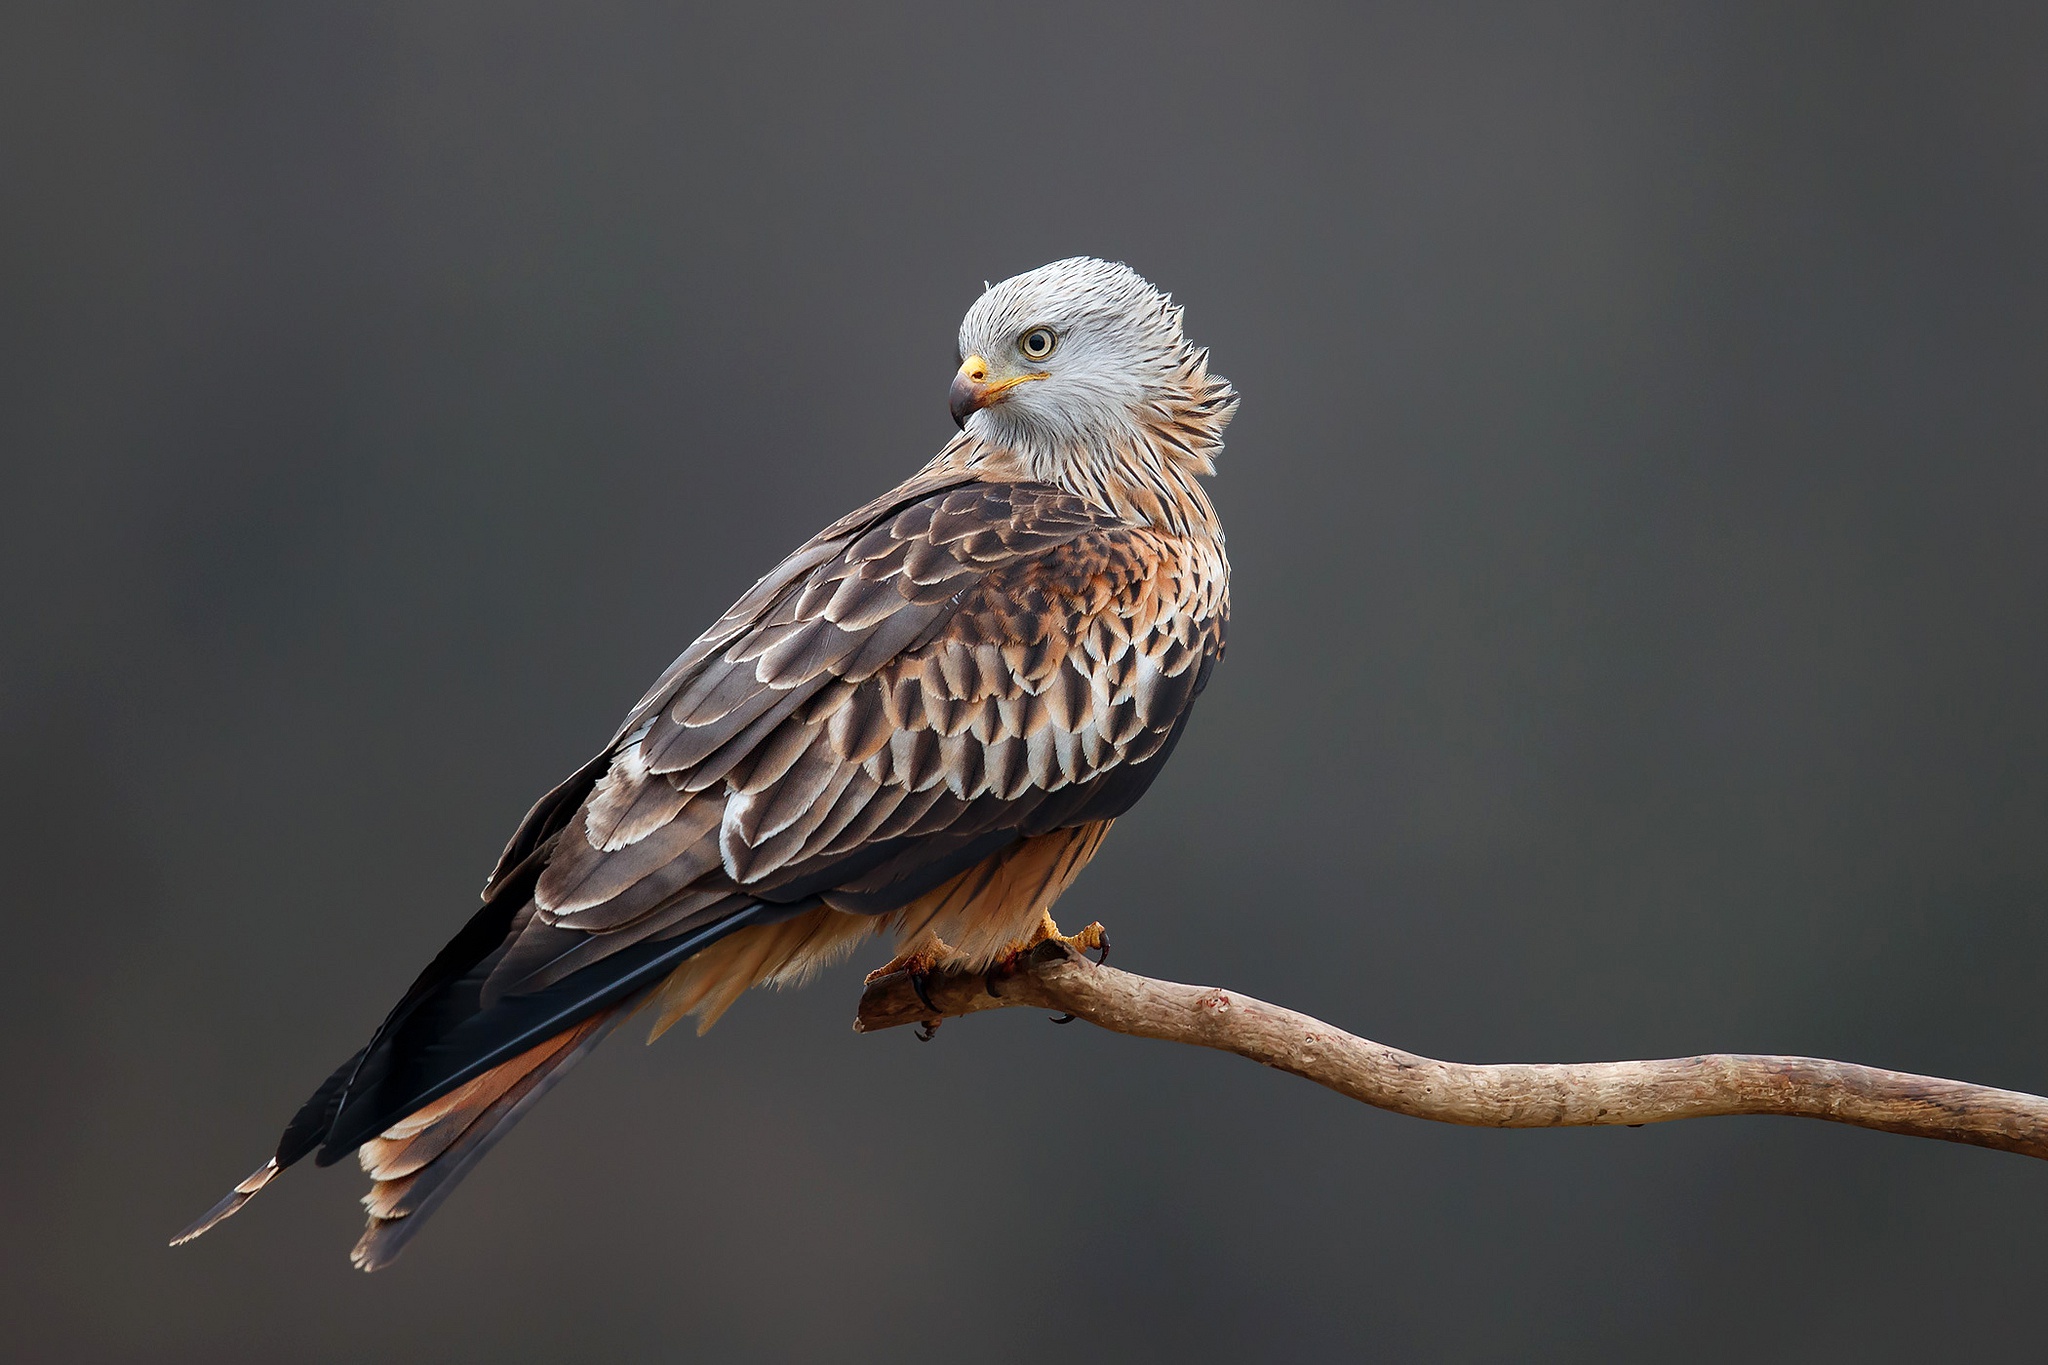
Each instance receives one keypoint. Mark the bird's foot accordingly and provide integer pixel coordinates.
(1093, 939)
(918, 965)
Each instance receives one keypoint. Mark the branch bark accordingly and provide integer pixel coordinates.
(1053, 976)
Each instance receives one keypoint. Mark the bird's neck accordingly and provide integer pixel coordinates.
(1148, 473)
(1129, 479)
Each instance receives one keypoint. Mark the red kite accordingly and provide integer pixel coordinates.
(919, 725)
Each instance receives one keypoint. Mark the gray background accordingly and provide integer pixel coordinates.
(1637, 511)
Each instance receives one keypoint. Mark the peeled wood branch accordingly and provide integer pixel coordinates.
(1512, 1095)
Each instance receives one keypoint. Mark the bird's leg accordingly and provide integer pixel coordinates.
(924, 955)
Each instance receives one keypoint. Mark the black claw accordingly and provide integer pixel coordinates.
(989, 979)
(1105, 951)
(1063, 1019)
(917, 983)
(927, 1029)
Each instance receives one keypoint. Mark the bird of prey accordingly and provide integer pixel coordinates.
(920, 725)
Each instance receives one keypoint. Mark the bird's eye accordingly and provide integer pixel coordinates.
(1037, 343)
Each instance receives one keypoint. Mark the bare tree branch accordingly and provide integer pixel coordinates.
(1054, 977)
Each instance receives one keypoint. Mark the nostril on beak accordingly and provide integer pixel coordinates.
(968, 394)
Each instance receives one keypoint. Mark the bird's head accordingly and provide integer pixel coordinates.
(1083, 356)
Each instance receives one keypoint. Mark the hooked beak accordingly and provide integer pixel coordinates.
(972, 391)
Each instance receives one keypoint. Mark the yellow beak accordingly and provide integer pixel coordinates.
(972, 391)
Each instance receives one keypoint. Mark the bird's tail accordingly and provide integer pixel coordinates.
(417, 1158)
(415, 1162)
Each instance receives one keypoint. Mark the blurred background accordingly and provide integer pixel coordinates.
(1637, 510)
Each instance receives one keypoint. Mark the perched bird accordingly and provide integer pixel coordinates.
(919, 725)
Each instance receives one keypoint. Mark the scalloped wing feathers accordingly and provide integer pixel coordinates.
(986, 640)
